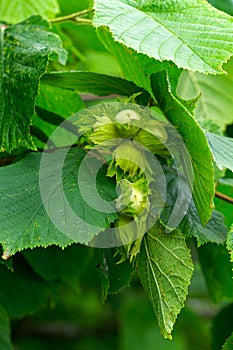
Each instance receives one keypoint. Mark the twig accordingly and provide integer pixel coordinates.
(73, 17)
(223, 197)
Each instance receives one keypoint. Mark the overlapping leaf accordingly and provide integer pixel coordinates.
(222, 149)
(215, 231)
(25, 50)
(69, 264)
(98, 84)
(135, 67)
(24, 222)
(195, 141)
(230, 243)
(226, 5)
(215, 97)
(190, 33)
(53, 106)
(165, 269)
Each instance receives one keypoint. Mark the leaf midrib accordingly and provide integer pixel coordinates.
(167, 28)
(156, 283)
(180, 39)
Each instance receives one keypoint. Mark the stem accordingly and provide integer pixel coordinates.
(83, 21)
(73, 17)
(223, 197)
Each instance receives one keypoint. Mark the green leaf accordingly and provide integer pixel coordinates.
(25, 50)
(135, 67)
(226, 181)
(215, 98)
(195, 141)
(5, 342)
(217, 269)
(31, 294)
(54, 264)
(228, 345)
(223, 5)
(24, 222)
(114, 276)
(138, 327)
(59, 100)
(165, 269)
(46, 122)
(191, 33)
(95, 83)
(221, 148)
(215, 231)
(13, 12)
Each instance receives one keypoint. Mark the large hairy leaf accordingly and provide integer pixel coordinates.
(195, 141)
(18, 10)
(165, 270)
(25, 50)
(215, 97)
(24, 222)
(191, 33)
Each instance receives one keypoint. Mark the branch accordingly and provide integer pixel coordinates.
(223, 197)
(73, 17)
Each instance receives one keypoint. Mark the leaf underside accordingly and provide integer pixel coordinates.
(165, 269)
(191, 33)
(221, 148)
